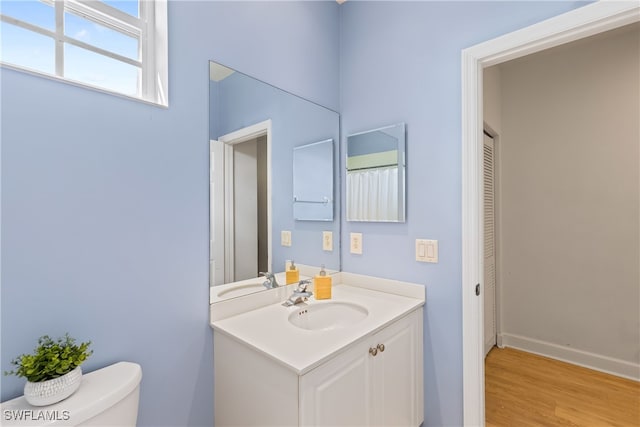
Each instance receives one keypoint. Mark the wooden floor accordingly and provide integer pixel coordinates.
(523, 389)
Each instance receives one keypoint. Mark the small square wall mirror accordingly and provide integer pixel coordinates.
(376, 175)
(313, 181)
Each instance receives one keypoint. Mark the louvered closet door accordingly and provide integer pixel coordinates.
(489, 247)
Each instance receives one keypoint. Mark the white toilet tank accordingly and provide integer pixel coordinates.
(106, 397)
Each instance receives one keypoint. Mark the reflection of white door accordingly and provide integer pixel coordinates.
(489, 246)
(245, 210)
(240, 202)
(238, 210)
(216, 213)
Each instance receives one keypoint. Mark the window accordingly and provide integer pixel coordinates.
(119, 46)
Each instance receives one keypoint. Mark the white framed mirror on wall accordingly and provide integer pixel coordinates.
(259, 136)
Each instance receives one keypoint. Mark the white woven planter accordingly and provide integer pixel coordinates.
(53, 391)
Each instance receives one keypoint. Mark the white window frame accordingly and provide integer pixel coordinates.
(150, 29)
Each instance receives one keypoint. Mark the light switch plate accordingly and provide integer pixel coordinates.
(356, 243)
(285, 238)
(426, 250)
(327, 241)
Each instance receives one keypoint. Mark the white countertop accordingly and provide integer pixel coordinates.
(226, 291)
(242, 287)
(268, 330)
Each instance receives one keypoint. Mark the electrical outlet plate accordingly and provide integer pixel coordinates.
(327, 241)
(285, 238)
(426, 250)
(356, 243)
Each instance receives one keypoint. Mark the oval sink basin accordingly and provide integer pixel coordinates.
(241, 290)
(327, 316)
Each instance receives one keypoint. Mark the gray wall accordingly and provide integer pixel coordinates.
(570, 232)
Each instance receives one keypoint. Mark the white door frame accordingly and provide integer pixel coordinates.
(576, 24)
(228, 140)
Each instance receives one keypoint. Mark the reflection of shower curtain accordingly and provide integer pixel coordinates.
(372, 194)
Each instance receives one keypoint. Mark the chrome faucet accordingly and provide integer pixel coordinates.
(300, 294)
(271, 281)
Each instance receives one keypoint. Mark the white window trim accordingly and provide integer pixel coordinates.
(153, 44)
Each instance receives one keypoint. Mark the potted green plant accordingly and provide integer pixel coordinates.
(53, 371)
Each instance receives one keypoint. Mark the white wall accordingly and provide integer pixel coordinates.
(491, 98)
(570, 201)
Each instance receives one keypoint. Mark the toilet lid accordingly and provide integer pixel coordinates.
(98, 391)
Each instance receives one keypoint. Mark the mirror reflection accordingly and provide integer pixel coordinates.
(254, 130)
(376, 175)
(313, 181)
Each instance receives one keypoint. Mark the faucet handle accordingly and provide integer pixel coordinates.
(271, 281)
(302, 285)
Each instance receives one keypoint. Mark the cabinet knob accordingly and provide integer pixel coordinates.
(381, 347)
(373, 351)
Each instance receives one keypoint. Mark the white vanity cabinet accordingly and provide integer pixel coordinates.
(378, 382)
(375, 381)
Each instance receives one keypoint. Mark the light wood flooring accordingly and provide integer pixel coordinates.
(523, 389)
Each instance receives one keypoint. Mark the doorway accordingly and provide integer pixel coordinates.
(580, 23)
(561, 187)
(240, 197)
(247, 218)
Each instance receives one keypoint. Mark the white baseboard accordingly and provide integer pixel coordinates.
(594, 361)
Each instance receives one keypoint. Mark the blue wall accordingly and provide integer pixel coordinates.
(400, 62)
(105, 200)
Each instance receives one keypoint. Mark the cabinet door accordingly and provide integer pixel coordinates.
(397, 373)
(339, 392)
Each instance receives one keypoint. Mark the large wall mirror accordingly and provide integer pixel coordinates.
(256, 130)
(376, 175)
